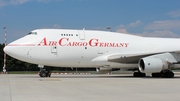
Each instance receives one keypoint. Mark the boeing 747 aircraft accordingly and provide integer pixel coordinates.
(99, 49)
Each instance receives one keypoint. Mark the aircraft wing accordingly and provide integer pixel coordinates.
(122, 58)
(134, 58)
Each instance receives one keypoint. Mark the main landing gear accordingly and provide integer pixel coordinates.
(139, 74)
(44, 73)
(163, 74)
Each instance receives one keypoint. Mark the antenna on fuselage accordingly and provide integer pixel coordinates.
(4, 67)
(108, 28)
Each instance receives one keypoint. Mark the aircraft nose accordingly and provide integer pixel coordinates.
(14, 51)
(7, 49)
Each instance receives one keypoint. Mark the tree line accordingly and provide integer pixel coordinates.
(13, 64)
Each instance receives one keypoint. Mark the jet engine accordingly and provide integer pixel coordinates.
(152, 65)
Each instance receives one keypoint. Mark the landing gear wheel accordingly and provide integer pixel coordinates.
(44, 73)
(48, 74)
(157, 75)
(168, 74)
(164, 74)
(139, 74)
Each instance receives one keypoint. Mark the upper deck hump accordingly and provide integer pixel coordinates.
(97, 32)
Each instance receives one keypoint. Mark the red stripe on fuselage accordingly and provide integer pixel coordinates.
(21, 45)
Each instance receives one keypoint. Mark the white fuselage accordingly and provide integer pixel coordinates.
(80, 48)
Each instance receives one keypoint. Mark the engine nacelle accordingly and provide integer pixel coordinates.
(151, 65)
(103, 70)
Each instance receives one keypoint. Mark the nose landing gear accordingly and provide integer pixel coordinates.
(44, 73)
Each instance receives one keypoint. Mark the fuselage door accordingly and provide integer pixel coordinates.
(54, 49)
(81, 34)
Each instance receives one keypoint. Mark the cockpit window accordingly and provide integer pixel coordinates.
(32, 33)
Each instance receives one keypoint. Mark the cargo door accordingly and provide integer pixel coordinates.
(82, 34)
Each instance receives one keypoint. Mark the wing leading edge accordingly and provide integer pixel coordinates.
(134, 58)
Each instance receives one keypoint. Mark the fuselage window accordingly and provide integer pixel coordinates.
(32, 33)
(66, 34)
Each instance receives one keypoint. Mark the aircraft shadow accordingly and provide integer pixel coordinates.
(90, 76)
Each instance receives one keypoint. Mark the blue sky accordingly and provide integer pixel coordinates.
(157, 18)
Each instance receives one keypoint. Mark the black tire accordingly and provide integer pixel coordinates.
(135, 74)
(49, 75)
(164, 74)
(169, 74)
(139, 74)
(157, 75)
(43, 74)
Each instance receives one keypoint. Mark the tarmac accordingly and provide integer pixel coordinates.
(118, 87)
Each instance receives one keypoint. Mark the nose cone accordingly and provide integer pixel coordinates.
(7, 50)
(13, 51)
